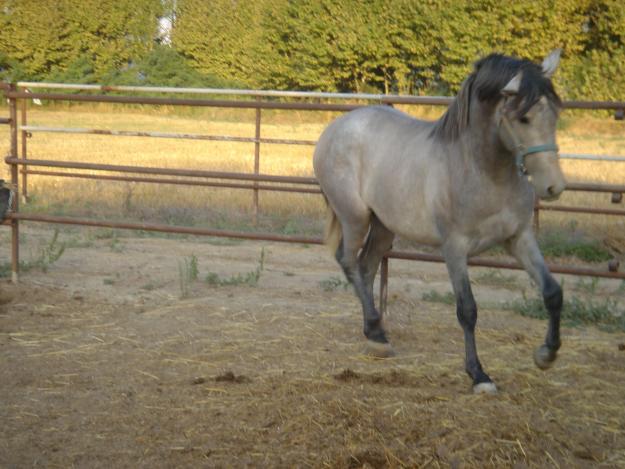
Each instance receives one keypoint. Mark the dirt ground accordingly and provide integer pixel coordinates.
(108, 360)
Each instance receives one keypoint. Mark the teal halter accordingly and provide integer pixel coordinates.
(521, 151)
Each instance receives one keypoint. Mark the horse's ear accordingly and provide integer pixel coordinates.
(550, 64)
(513, 85)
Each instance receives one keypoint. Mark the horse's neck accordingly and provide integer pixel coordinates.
(482, 147)
(484, 162)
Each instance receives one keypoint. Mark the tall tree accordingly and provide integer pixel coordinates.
(46, 36)
(469, 29)
(36, 35)
(349, 45)
(597, 72)
(407, 46)
(218, 36)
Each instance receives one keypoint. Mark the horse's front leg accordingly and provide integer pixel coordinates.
(466, 310)
(525, 248)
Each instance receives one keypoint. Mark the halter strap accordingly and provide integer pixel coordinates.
(520, 150)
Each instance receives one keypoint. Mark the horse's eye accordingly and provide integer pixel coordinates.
(524, 120)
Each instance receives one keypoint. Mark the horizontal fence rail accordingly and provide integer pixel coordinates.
(184, 102)
(612, 189)
(154, 134)
(228, 138)
(163, 228)
(163, 171)
(257, 100)
(379, 98)
(579, 156)
(181, 182)
(474, 261)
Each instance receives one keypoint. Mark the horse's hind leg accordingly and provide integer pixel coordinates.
(379, 241)
(354, 233)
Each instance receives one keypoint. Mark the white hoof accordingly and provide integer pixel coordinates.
(485, 388)
(379, 350)
(543, 357)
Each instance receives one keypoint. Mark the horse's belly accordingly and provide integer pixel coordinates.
(493, 231)
(413, 223)
(406, 202)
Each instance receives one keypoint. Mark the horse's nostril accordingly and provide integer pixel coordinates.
(553, 191)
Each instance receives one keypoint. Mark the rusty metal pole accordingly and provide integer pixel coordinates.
(15, 234)
(24, 137)
(256, 162)
(383, 285)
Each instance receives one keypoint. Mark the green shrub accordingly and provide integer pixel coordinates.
(334, 283)
(433, 296)
(562, 244)
(249, 278)
(604, 313)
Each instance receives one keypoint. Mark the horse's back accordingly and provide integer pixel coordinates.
(363, 136)
(358, 126)
(378, 159)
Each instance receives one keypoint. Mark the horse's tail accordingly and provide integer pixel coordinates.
(333, 231)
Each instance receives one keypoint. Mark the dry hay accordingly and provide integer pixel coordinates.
(246, 377)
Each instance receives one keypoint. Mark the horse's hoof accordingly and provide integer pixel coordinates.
(544, 357)
(379, 349)
(485, 388)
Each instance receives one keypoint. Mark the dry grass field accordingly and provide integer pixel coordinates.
(579, 133)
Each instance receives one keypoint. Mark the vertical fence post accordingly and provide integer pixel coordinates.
(383, 285)
(256, 162)
(24, 137)
(15, 234)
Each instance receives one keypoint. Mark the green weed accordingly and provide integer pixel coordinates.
(50, 253)
(47, 255)
(115, 244)
(588, 286)
(433, 296)
(291, 228)
(187, 273)
(334, 283)
(249, 278)
(104, 233)
(495, 277)
(560, 244)
(214, 241)
(604, 313)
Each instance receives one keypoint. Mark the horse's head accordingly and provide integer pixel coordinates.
(527, 117)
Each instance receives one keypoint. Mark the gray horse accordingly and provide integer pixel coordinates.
(463, 183)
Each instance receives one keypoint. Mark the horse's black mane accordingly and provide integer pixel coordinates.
(490, 75)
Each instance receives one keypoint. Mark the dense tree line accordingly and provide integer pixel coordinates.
(398, 46)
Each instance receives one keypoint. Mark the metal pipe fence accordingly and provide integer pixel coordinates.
(255, 181)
